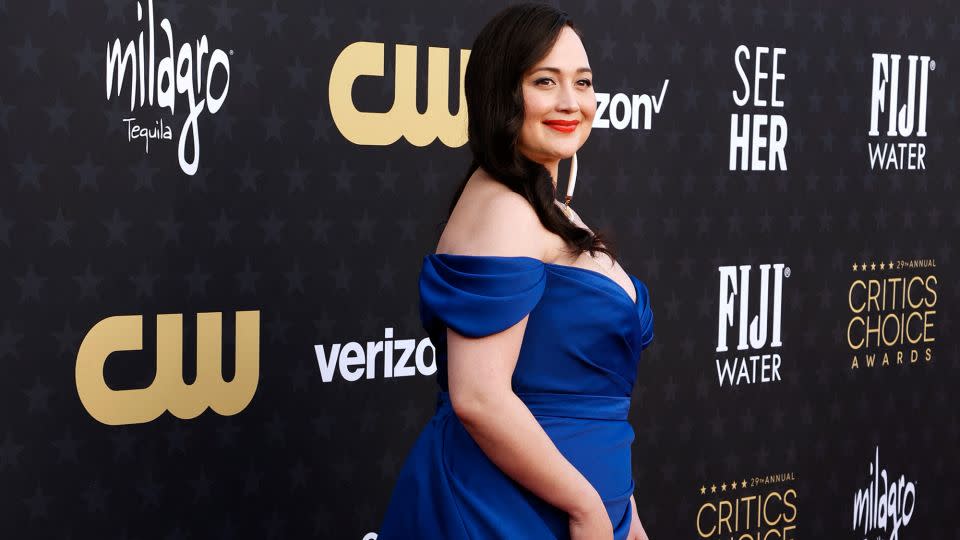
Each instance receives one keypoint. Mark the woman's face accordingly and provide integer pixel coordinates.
(558, 100)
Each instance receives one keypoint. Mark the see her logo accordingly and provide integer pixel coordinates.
(758, 140)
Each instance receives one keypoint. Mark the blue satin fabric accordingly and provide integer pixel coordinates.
(575, 372)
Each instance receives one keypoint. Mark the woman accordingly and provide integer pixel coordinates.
(537, 329)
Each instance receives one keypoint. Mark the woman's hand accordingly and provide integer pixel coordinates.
(636, 528)
(593, 523)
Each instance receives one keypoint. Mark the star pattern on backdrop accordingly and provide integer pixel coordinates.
(325, 239)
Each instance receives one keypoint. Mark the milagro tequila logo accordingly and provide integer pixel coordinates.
(179, 71)
(885, 505)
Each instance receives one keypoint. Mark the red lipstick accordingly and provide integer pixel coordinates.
(563, 126)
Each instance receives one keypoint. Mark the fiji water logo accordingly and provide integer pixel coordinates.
(178, 72)
(885, 505)
(757, 324)
(902, 106)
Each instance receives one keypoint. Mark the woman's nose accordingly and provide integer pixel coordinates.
(567, 99)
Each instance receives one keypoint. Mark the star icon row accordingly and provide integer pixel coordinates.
(862, 267)
(723, 487)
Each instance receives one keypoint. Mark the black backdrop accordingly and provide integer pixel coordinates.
(322, 238)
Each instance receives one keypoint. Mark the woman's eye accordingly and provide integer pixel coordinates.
(546, 81)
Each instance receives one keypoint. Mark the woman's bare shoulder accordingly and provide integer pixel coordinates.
(493, 220)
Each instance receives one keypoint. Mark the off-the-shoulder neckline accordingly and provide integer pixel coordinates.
(633, 279)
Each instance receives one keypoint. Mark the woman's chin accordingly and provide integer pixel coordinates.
(566, 153)
(555, 153)
(564, 150)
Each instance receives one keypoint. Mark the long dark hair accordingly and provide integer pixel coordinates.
(509, 45)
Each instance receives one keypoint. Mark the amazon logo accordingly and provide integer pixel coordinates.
(168, 391)
(366, 59)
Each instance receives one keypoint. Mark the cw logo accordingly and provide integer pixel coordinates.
(365, 58)
(168, 391)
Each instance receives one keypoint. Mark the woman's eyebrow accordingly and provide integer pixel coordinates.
(557, 70)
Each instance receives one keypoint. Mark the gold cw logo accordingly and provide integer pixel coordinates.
(168, 391)
(366, 59)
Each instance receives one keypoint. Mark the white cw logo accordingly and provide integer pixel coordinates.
(177, 73)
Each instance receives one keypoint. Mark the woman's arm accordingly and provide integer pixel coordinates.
(479, 374)
(636, 528)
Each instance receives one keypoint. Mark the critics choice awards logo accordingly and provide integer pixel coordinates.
(758, 508)
(885, 506)
(898, 112)
(188, 71)
(758, 139)
(756, 320)
(893, 309)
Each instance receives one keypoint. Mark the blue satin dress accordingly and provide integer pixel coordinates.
(575, 372)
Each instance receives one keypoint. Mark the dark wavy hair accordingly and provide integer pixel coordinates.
(510, 44)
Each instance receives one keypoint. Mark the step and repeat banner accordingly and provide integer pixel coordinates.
(213, 216)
